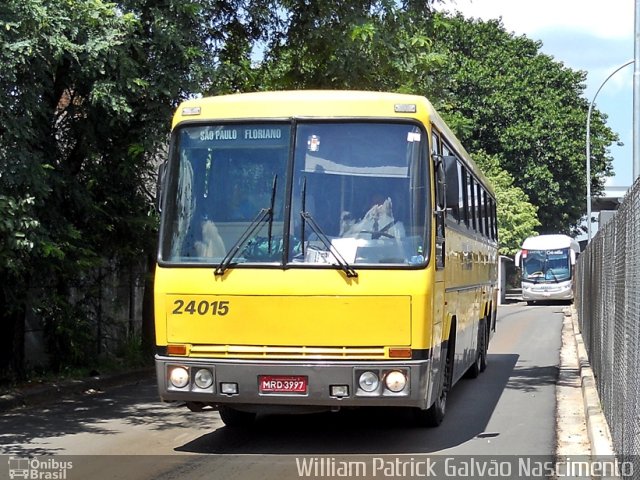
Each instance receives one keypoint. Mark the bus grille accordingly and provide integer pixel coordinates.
(245, 351)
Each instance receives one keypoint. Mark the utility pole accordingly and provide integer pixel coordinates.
(589, 138)
(636, 94)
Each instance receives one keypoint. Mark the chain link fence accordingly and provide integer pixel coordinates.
(608, 305)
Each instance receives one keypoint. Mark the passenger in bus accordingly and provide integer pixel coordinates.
(212, 245)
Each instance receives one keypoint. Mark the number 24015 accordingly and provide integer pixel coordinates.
(203, 307)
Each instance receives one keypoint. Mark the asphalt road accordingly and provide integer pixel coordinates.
(127, 433)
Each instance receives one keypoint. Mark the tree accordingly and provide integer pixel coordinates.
(88, 88)
(517, 217)
(510, 100)
(375, 45)
(87, 91)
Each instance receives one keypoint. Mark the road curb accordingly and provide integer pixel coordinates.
(597, 427)
(42, 394)
(572, 438)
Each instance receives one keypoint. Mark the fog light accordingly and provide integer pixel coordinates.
(203, 378)
(369, 382)
(395, 381)
(339, 390)
(179, 377)
(229, 388)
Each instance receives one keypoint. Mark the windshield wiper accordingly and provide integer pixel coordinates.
(262, 215)
(344, 265)
(271, 206)
(304, 209)
(249, 231)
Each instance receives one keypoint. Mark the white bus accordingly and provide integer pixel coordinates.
(547, 266)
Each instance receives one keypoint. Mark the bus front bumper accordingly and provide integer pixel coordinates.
(547, 291)
(330, 384)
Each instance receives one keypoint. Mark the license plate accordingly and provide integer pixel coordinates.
(282, 384)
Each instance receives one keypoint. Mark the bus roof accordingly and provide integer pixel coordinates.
(321, 104)
(306, 104)
(550, 242)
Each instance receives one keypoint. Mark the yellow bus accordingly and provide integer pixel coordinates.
(319, 250)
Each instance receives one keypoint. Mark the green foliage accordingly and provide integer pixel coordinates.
(512, 101)
(87, 90)
(517, 217)
(377, 45)
(15, 231)
(131, 352)
(68, 332)
(88, 87)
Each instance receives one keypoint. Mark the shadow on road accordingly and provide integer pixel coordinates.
(471, 405)
(24, 432)
(379, 431)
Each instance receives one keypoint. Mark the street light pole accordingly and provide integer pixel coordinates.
(589, 141)
(636, 94)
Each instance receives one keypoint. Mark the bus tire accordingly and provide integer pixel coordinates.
(485, 344)
(234, 418)
(433, 416)
(480, 364)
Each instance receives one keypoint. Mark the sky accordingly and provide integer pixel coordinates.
(590, 35)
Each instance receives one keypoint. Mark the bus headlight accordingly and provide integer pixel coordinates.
(179, 377)
(395, 381)
(369, 382)
(203, 378)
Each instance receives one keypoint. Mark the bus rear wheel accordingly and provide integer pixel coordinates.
(480, 365)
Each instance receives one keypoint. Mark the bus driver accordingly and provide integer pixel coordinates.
(378, 221)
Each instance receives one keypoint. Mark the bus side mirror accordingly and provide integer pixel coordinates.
(162, 169)
(516, 259)
(441, 182)
(447, 181)
(452, 181)
(572, 255)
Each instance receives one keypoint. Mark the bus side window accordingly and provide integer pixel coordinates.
(487, 217)
(490, 216)
(480, 206)
(464, 191)
(462, 213)
(494, 213)
(472, 201)
(436, 143)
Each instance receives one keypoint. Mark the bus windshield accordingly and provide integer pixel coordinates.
(303, 193)
(546, 266)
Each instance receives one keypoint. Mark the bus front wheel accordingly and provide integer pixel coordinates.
(433, 416)
(234, 418)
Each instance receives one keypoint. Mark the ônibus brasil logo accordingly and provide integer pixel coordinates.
(38, 469)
